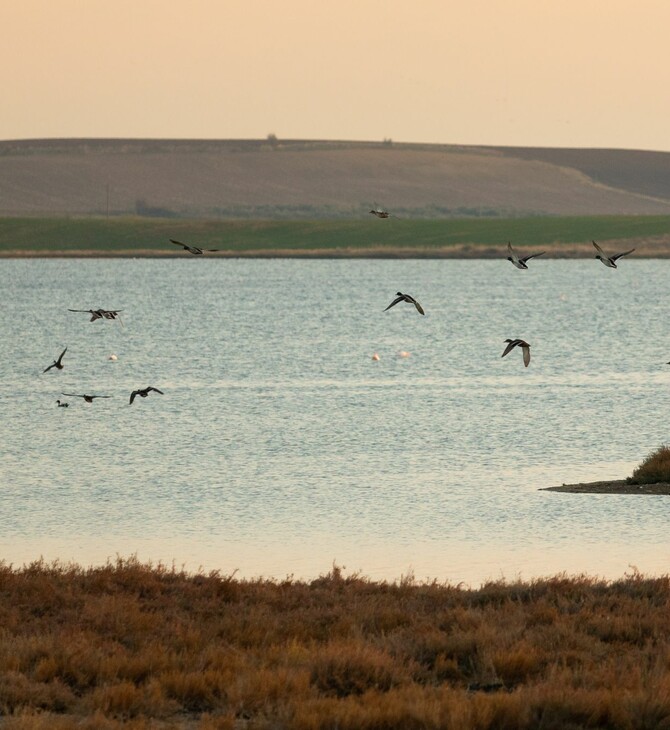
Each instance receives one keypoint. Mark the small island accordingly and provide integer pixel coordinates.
(652, 476)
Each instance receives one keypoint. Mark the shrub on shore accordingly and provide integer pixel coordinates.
(139, 646)
(654, 469)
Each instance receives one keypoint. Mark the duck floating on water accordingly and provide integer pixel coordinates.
(58, 364)
(62, 405)
(406, 298)
(518, 343)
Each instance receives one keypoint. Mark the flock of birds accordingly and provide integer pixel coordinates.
(520, 262)
(58, 364)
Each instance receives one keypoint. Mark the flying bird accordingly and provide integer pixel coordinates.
(511, 344)
(100, 313)
(609, 260)
(381, 212)
(520, 262)
(143, 393)
(58, 364)
(87, 398)
(192, 249)
(406, 298)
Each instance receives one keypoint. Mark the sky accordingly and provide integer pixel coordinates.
(559, 73)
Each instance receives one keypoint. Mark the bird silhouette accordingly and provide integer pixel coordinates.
(520, 262)
(87, 398)
(609, 260)
(406, 298)
(143, 393)
(511, 344)
(58, 364)
(193, 249)
(62, 405)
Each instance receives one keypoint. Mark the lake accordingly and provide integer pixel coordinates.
(281, 447)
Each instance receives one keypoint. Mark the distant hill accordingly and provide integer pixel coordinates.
(320, 179)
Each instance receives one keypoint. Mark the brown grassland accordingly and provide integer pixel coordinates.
(144, 646)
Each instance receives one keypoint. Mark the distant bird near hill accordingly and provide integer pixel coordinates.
(100, 313)
(87, 398)
(58, 364)
(511, 344)
(143, 393)
(406, 298)
(609, 260)
(193, 249)
(381, 212)
(520, 262)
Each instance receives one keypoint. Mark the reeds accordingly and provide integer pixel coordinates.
(654, 469)
(144, 646)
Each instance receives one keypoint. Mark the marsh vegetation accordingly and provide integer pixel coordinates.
(138, 646)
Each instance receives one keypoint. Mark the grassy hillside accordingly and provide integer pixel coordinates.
(128, 236)
(214, 179)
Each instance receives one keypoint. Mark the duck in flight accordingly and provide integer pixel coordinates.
(520, 262)
(406, 298)
(511, 344)
(609, 260)
(143, 393)
(100, 313)
(381, 212)
(62, 405)
(58, 364)
(193, 249)
(87, 398)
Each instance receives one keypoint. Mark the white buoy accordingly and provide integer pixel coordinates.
(112, 357)
(375, 357)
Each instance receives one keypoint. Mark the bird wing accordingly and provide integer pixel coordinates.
(49, 368)
(510, 250)
(155, 390)
(418, 306)
(98, 396)
(395, 301)
(532, 256)
(619, 255)
(526, 355)
(178, 243)
(598, 248)
(211, 250)
(510, 346)
(132, 396)
(61, 355)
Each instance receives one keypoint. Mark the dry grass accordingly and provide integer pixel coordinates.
(655, 469)
(152, 647)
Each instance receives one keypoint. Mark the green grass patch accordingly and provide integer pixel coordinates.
(116, 235)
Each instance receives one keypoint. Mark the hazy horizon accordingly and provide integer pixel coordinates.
(508, 73)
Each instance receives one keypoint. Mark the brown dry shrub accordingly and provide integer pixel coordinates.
(654, 469)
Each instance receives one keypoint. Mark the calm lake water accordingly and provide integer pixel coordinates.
(281, 447)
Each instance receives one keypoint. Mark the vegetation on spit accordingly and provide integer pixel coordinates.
(655, 469)
(150, 236)
(138, 646)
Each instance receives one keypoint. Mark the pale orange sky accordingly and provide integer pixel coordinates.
(505, 72)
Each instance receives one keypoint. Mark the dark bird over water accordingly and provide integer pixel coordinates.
(193, 249)
(62, 405)
(58, 364)
(143, 393)
(511, 344)
(406, 298)
(100, 313)
(609, 260)
(87, 398)
(520, 262)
